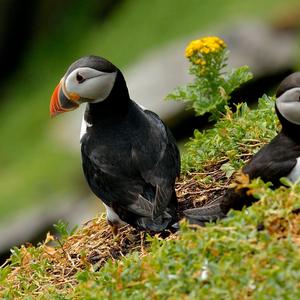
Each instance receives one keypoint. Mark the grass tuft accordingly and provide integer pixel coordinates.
(234, 139)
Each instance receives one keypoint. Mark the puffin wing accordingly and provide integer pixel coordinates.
(274, 160)
(126, 175)
(116, 189)
(158, 162)
(209, 212)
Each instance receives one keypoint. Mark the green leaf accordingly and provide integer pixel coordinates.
(228, 169)
(285, 181)
(62, 229)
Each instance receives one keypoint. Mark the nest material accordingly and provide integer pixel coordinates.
(94, 244)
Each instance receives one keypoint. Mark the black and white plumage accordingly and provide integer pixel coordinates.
(280, 158)
(129, 157)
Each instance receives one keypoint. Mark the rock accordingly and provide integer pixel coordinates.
(264, 49)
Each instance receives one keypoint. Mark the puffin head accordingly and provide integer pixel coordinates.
(288, 101)
(89, 79)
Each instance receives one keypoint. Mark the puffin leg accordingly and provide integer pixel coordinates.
(113, 219)
(114, 228)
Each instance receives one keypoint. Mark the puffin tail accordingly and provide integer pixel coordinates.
(210, 212)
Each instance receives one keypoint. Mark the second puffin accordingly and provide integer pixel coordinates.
(129, 157)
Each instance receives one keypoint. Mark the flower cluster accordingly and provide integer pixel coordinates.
(210, 44)
(206, 53)
(213, 83)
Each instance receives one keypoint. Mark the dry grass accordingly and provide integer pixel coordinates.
(92, 245)
(192, 191)
(89, 248)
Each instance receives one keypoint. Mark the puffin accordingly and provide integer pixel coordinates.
(280, 158)
(129, 156)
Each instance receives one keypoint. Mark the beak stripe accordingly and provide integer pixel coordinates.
(60, 103)
(54, 103)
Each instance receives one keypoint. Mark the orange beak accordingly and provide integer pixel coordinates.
(60, 102)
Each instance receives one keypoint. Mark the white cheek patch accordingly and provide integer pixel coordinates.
(290, 111)
(294, 175)
(288, 105)
(96, 87)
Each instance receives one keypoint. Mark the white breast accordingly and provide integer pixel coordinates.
(84, 126)
(112, 216)
(294, 175)
(141, 106)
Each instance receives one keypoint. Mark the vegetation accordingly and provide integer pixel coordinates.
(212, 86)
(252, 254)
(233, 139)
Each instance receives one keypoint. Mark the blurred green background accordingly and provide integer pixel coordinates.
(40, 39)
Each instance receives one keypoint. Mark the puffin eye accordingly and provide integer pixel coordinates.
(79, 78)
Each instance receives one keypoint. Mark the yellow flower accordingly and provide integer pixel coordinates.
(206, 45)
(200, 61)
(189, 52)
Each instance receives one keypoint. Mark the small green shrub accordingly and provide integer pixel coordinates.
(236, 136)
(213, 84)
